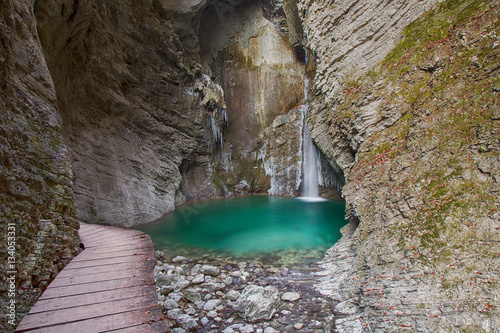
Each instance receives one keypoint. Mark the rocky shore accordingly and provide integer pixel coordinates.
(222, 294)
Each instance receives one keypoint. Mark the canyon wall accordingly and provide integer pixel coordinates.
(125, 88)
(163, 102)
(411, 116)
(38, 229)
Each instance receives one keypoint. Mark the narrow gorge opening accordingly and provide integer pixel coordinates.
(256, 75)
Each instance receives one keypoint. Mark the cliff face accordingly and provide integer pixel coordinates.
(130, 114)
(37, 211)
(415, 129)
(163, 102)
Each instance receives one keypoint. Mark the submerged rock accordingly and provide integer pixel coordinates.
(258, 303)
(179, 259)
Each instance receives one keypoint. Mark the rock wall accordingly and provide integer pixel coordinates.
(163, 102)
(125, 86)
(347, 38)
(415, 129)
(37, 211)
(281, 153)
(253, 50)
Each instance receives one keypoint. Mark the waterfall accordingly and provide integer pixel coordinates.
(310, 183)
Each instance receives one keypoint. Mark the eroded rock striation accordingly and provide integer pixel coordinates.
(415, 129)
(163, 102)
(38, 229)
(125, 88)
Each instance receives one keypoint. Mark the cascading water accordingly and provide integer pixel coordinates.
(310, 187)
(310, 184)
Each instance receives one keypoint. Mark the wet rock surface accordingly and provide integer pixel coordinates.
(236, 296)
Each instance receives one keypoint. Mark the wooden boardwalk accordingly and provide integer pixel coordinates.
(108, 287)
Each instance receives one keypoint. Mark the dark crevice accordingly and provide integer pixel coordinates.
(73, 14)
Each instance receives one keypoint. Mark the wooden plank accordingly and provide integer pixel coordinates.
(105, 268)
(45, 305)
(105, 262)
(89, 232)
(120, 247)
(84, 227)
(55, 292)
(103, 323)
(121, 244)
(115, 232)
(55, 317)
(106, 276)
(108, 235)
(127, 253)
(120, 250)
(92, 234)
(115, 241)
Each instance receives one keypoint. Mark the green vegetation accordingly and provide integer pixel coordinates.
(432, 27)
(444, 70)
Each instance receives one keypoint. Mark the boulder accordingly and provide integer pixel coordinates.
(257, 303)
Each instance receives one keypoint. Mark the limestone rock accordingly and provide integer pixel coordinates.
(170, 304)
(114, 86)
(176, 281)
(298, 326)
(199, 278)
(233, 295)
(36, 178)
(188, 322)
(192, 295)
(179, 259)
(257, 303)
(281, 153)
(174, 313)
(246, 329)
(211, 304)
(270, 330)
(209, 270)
(290, 296)
(403, 241)
(204, 321)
